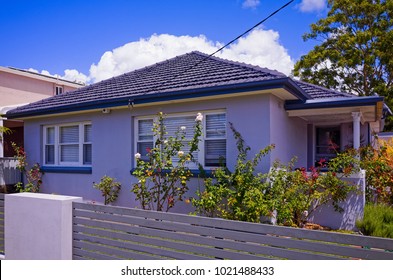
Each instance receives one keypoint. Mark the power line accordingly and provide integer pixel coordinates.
(226, 45)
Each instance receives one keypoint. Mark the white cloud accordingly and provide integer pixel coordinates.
(260, 47)
(75, 76)
(145, 52)
(71, 75)
(309, 6)
(251, 4)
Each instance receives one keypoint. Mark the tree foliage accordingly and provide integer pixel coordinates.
(355, 50)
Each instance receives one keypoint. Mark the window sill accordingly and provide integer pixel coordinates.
(195, 172)
(67, 169)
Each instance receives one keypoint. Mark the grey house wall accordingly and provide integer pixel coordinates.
(260, 119)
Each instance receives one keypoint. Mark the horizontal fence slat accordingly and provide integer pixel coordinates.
(195, 239)
(220, 233)
(110, 251)
(270, 251)
(79, 253)
(349, 239)
(238, 239)
(195, 248)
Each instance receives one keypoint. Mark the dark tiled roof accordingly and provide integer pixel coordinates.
(320, 92)
(188, 72)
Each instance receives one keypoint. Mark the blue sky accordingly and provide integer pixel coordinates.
(92, 40)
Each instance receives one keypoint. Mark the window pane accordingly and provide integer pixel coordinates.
(50, 135)
(216, 126)
(327, 143)
(69, 153)
(50, 154)
(142, 148)
(145, 129)
(215, 152)
(87, 131)
(174, 124)
(69, 134)
(87, 153)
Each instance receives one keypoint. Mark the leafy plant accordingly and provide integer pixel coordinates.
(237, 195)
(162, 179)
(378, 163)
(292, 193)
(33, 175)
(296, 193)
(377, 221)
(109, 189)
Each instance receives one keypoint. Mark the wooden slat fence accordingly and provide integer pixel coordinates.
(2, 224)
(106, 232)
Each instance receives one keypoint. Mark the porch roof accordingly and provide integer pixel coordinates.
(337, 109)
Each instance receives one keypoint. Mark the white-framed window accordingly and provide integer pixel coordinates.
(58, 90)
(212, 148)
(67, 144)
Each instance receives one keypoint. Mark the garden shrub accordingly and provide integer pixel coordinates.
(33, 175)
(292, 193)
(377, 221)
(237, 195)
(295, 194)
(162, 180)
(378, 163)
(109, 189)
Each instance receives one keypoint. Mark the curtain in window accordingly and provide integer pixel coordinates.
(50, 145)
(69, 143)
(215, 143)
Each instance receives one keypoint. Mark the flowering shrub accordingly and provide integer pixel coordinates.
(295, 194)
(378, 163)
(162, 179)
(109, 189)
(237, 195)
(33, 175)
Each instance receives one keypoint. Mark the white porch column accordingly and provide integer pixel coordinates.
(356, 129)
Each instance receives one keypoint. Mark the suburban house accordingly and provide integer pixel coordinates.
(82, 135)
(20, 87)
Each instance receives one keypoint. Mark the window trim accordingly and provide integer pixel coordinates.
(59, 90)
(201, 146)
(57, 145)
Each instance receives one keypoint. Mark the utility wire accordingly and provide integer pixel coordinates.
(223, 47)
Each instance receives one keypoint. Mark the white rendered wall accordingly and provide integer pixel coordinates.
(38, 226)
(353, 207)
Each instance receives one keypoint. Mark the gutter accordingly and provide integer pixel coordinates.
(333, 103)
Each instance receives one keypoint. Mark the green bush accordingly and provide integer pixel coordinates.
(377, 221)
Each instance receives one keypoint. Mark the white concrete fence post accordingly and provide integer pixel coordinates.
(38, 226)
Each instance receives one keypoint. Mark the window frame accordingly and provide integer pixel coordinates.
(204, 138)
(59, 90)
(57, 145)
